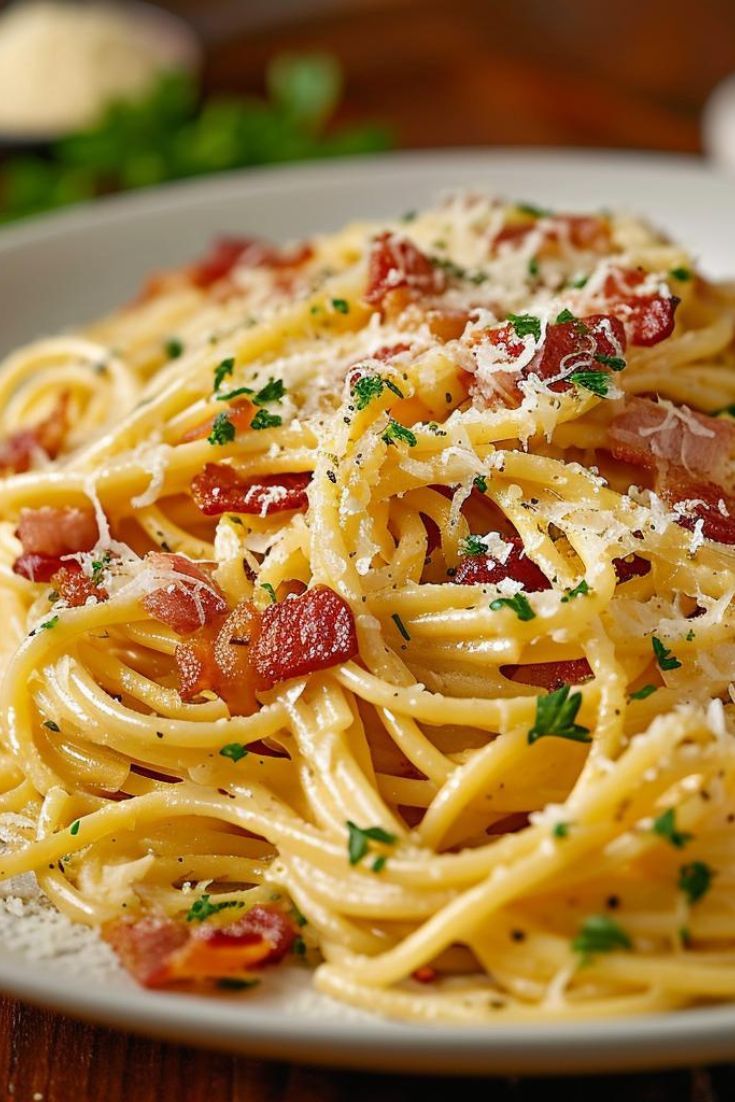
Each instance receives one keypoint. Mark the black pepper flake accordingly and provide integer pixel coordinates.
(612, 902)
(332, 477)
(517, 935)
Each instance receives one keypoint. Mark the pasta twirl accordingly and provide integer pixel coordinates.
(371, 600)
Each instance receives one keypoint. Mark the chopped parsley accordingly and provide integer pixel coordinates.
(600, 934)
(533, 266)
(473, 545)
(298, 947)
(682, 274)
(565, 315)
(560, 830)
(270, 591)
(665, 659)
(643, 692)
(222, 370)
(52, 726)
(371, 386)
(99, 566)
(480, 483)
(359, 839)
(234, 751)
(519, 604)
(617, 363)
(74, 828)
(202, 908)
(665, 827)
(394, 432)
(48, 624)
(223, 430)
(273, 391)
(173, 348)
(579, 281)
(401, 626)
(237, 393)
(580, 590)
(341, 305)
(525, 324)
(265, 420)
(555, 715)
(695, 880)
(299, 918)
(690, 635)
(379, 863)
(596, 381)
(532, 210)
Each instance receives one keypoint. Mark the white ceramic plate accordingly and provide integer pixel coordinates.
(68, 268)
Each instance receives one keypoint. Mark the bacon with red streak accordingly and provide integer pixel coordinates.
(302, 635)
(53, 530)
(228, 253)
(396, 263)
(74, 587)
(220, 489)
(583, 232)
(485, 570)
(632, 566)
(158, 951)
(18, 450)
(189, 600)
(217, 659)
(648, 318)
(550, 675)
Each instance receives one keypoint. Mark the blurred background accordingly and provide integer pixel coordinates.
(97, 96)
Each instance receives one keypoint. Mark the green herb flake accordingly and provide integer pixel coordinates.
(234, 751)
(533, 211)
(565, 315)
(265, 420)
(643, 692)
(401, 626)
(359, 839)
(600, 934)
(379, 863)
(665, 659)
(473, 545)
(232, 983)
(533, 267)
(298, 947)
(617, 363)
(371, 386)
(519, 604)
(580, 590)
(74, 828)
(52, 726)
(395, 431)
(597, 382)
(202, 908)
(222, 370)
(239, 392)
(695, 880)
(99, 567)
(270, 591)
(555, 715)
(223, 430)
(273, 391)
(525, 325)
(173, 348)
(560, 830)
(299, 918)
(665, 827)
(341, 305)
(690, 635)
(681, 274)
(480, 483)
(579, 281)
(47, 625)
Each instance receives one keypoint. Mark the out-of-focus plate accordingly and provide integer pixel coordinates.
(64, 269)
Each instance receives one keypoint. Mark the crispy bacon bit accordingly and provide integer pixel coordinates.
(425, 974)
(550, 675)
(648, 318)
(17, 452)
(633, 566)
(587, 233)
(217, 659)
(158, 951)
(572, 346)
(228, 253)
(396, 263)
(37, 568)
(695, 501)
(51, 530)
(74, 587)
(240, 413)
(302, 635)
(219, 489)
(485, 570)
(189, 600)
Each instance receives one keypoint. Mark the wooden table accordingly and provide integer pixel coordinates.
(633, 74)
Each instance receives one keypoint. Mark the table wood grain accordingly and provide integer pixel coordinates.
(571, 73)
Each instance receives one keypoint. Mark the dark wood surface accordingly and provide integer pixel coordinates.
(467, 72)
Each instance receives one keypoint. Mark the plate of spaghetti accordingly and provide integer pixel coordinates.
(367, 677)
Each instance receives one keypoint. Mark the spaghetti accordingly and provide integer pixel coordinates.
(371, 601)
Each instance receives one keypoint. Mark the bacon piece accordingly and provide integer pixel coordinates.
(217, 659)
(572, 346)
(425, 974)
(648, 318)
(189, 600)
(550, 675)
(585, 232)
(395, 263)
(240, 413)
(227, 253)
(18, 450)
(699, 500)
(37, 568)
(53, 530)
(220, 489)
(158, 951)
(633, 566)
(302, 635)
(485, 570)
(74, 587)
(655, 434)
